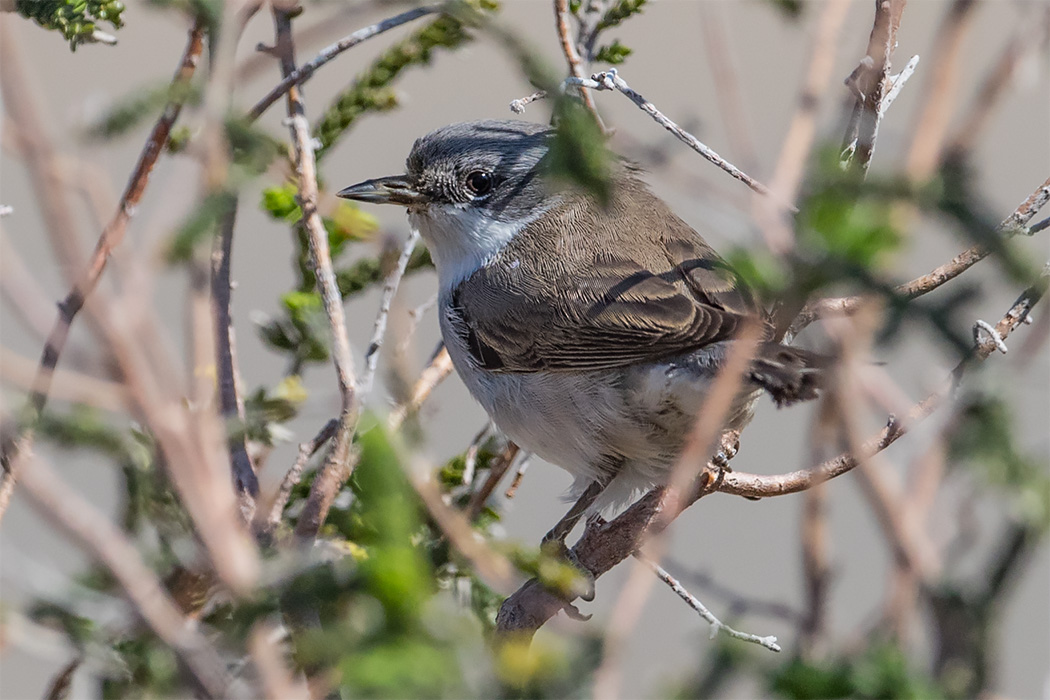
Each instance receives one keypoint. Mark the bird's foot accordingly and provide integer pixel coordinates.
(561, 571)
(728, 448)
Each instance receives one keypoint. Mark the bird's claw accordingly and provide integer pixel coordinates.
(582, 585)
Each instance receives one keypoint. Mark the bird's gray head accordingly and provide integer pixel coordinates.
(488, 164)
(469, 188)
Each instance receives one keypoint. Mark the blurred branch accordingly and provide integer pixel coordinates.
(727, 83)
(92, 530)
(393, 280)
(337, 467)
(110, 238)
(871, 86)
(610, 80)
(572, 56)
(1011, 225)
(231, 402)
(439, 368)
(304, 72)
(769, 642)
(603, 546)
(1032, 35)
(928, 137)
(497, 469)
(306, 451)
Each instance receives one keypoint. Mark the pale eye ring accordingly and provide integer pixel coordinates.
(480, 182)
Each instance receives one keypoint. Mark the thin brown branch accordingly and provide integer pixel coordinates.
(870, 84)
(61, 504)
(1015, 223)
(1031, 36)
(572, 56)
(436, 372)
(110, 238)
(497, 469)
(294, 475)
(603, 546)
(390, 285)
(928, 137)
(337, 467)
(231, 403)
(304, 72)
(727, 83)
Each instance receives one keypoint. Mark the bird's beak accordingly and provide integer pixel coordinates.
(396, 189)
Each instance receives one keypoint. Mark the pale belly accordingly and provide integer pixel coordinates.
(628, 423)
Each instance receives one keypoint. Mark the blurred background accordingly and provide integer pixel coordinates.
(725, 549)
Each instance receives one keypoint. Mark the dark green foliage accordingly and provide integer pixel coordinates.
(140, 105)
(613, 54)
(371, 92)
(983, 438)
(200, 225)
(619, 12)
(264, 411)
(792, 9)
(577, 153)
(881, 671)
(76, 20)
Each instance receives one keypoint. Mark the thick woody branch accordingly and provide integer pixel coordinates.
(603, 546)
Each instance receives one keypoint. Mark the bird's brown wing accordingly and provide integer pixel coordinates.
(611, 312)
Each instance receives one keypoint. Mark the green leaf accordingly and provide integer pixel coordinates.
(619, 12)
(74, 19)
(614, 53)
(578, 154)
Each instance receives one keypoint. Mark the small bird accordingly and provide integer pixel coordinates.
(589, 331)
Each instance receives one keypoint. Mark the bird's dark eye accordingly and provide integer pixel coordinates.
(479, 181)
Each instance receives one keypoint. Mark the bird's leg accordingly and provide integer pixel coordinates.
(554, 541)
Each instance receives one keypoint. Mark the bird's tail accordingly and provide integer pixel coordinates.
(789, 374)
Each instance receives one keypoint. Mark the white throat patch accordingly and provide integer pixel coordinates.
(463, 238)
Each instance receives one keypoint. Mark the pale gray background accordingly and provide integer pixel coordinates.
(752, 547)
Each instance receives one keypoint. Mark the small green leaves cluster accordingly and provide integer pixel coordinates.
(619, 12)
(578, 154)
(881, 671)
(371, 91)
(613, 54)
(76, 20)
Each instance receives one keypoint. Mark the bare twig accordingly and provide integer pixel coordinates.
(572, 57)
(269, 659)
(727, 83)
(439, 368)
(1011, 225)
(304, 72)
(928, 137)
(336, 468)
(295, 474)
(85, 524)
(519, 476)
(610, 80)
(111, 237)
(870, 83)
(1030, 37)
(393, 279)
(604, 546)
(231, 403)
(769, 642)
(498, 467)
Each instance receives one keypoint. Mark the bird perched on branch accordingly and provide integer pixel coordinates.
(589, 331)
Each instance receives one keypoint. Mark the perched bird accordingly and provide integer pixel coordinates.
(590, 332)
